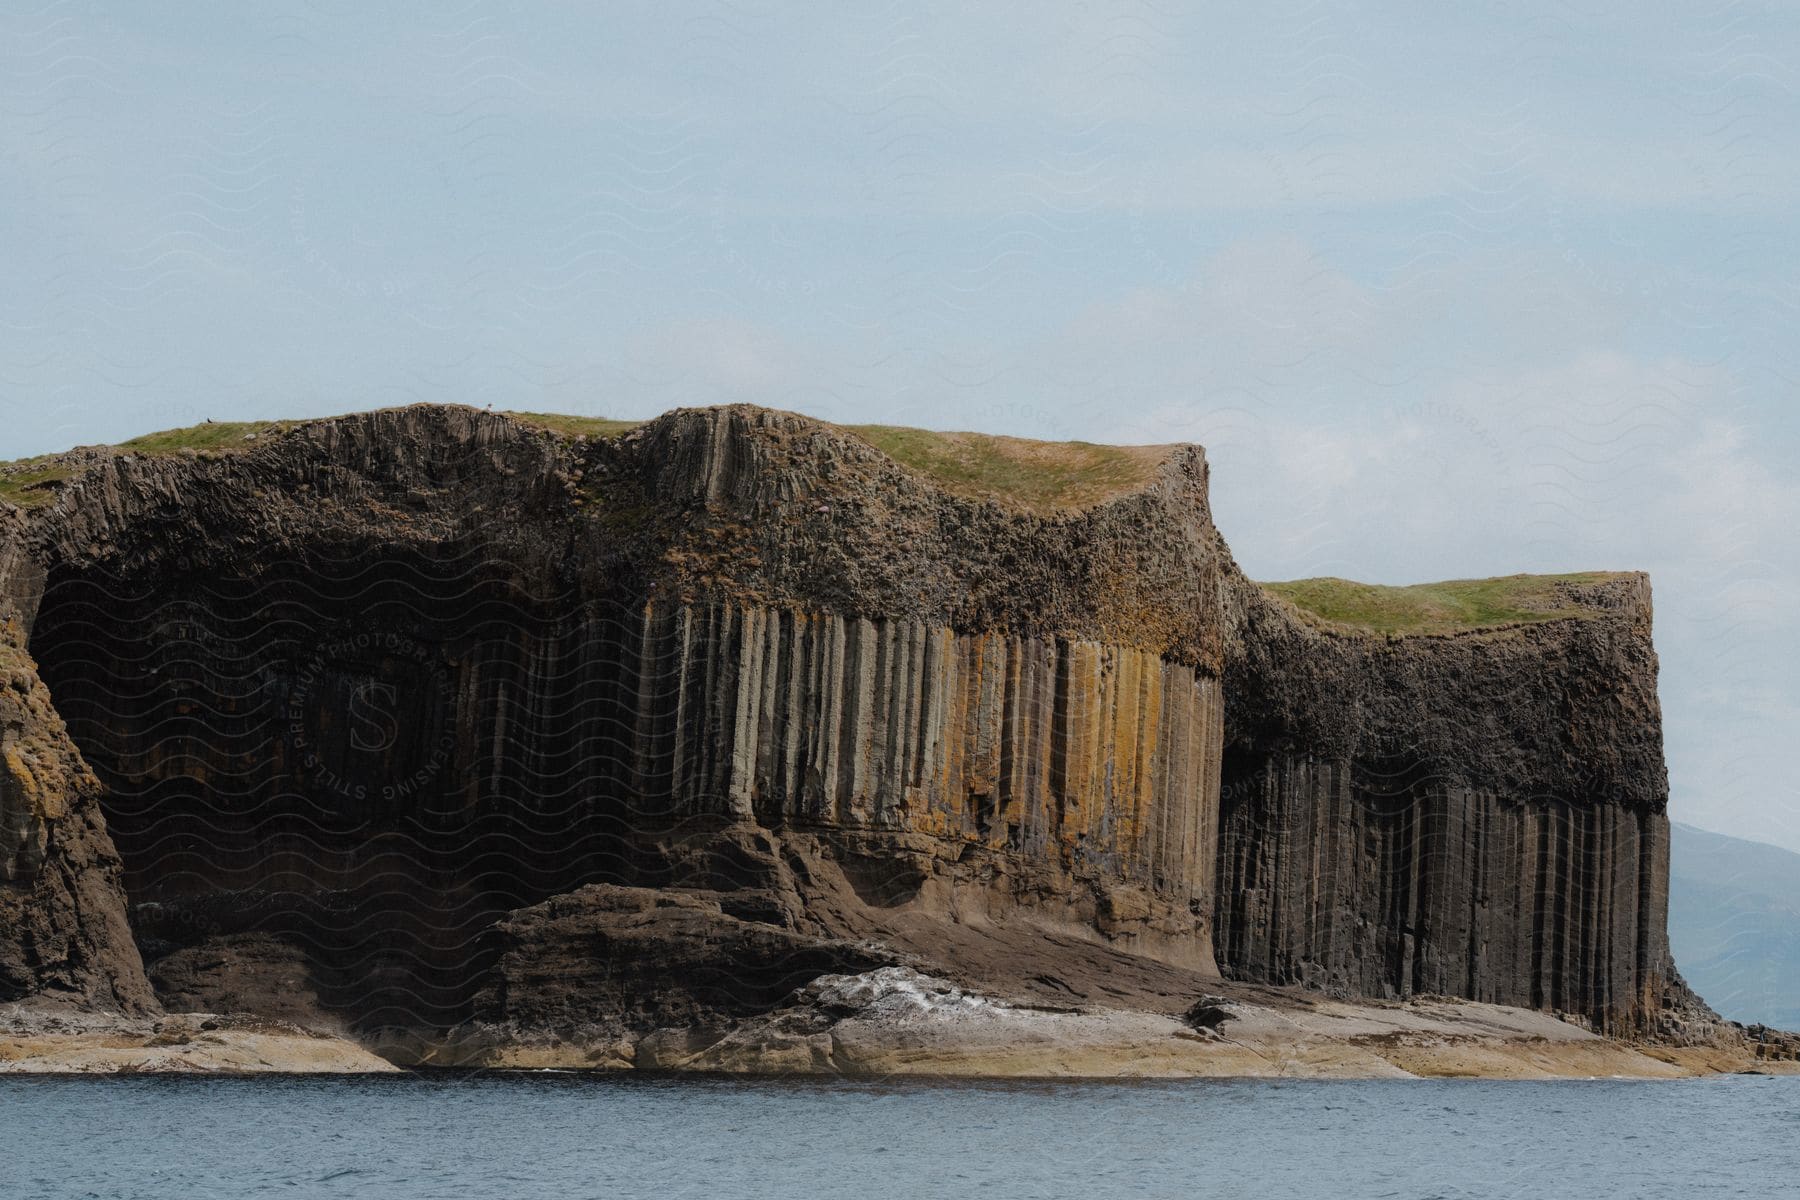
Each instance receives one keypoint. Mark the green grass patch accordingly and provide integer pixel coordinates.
(33, 482)
(215, 435)
(1043, 476)
(1449, 607)
(572, 426)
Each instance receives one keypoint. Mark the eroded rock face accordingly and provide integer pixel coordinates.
(650, 958)
(375, 684)
(372, 685)
(1479, 815)
(241, 973)
(63, 932)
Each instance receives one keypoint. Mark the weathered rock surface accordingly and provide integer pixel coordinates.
(1773, 1045)
(898, 1020)
(1478, 815)
(375, 683)
(242, 973)
(44, 1039)
(477, 726)
(650, 958)
(63, 930)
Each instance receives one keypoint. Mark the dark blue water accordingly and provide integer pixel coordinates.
(554, 1136)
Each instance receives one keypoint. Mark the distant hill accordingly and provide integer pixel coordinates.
(1734, 924)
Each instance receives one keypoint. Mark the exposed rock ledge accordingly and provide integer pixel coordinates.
(652, 962)
(620, 978)
(55, 1040)
(895, 1021)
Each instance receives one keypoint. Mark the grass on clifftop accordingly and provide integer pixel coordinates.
(31, 482)
(1449, 607)
(1042, 476)
(217, 435)
(572, 426)
(1039, 475)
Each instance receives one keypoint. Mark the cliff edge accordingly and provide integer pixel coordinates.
(482, 731)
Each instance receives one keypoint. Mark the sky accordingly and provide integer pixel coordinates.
(1445, 291)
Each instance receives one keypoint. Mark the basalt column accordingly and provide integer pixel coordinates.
(1099, 759)
(1358, 886)
(1480, 815)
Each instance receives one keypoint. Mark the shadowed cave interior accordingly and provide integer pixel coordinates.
(372, 757)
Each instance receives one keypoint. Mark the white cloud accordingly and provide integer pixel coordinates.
(1335, 453)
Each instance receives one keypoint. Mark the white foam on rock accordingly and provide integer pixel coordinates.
(897, 993)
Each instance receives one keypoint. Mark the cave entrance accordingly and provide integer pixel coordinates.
(361, 760)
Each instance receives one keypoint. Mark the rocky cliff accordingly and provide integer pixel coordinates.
(63, 930)
(377, 689)
(1474, 814)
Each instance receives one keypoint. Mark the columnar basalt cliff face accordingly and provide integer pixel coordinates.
(377, 683)
(364, 687)
(1091, 756)
(1478, 814)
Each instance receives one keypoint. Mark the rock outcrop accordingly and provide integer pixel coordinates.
(422, 703)
(242, 973)
(1476, 815)
(63, 931)
(603, 966)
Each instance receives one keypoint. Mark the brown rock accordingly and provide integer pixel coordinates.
(62, 916)
(242, 973)
(643, 958)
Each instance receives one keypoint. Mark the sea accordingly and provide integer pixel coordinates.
(550, 1136)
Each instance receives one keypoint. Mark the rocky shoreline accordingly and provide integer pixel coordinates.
(48, 1039)
(610, 978)
(897, 1022)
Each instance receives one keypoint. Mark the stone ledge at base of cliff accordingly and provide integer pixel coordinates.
(373, 705)
(50, 1039)
(616, 979)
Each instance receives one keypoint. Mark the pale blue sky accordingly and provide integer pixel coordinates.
(1444, 291)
